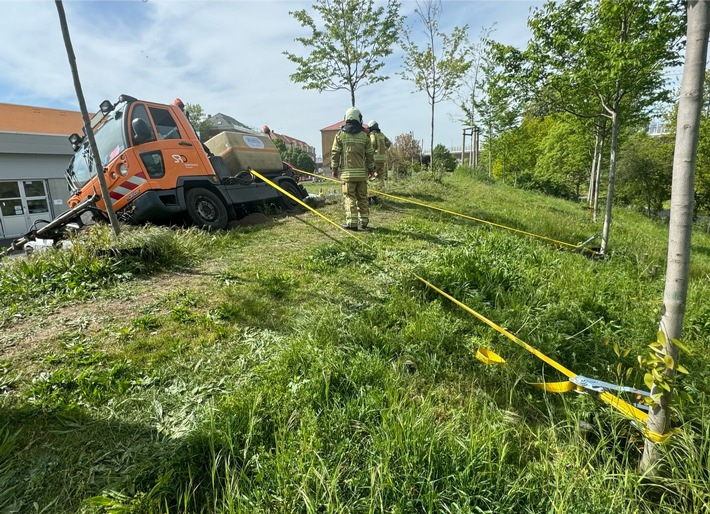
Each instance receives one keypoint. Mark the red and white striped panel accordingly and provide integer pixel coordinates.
(127, 186)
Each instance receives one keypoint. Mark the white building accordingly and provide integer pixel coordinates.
(34, 152)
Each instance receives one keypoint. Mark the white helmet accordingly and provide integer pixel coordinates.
(353, 114)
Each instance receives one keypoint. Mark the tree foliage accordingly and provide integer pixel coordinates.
(565, 151)
(294, 155)
(645, 172)
(198, 119)
(443, 158)
(405, 152)
(470, 96)
(702, 167)
(604, 58)
(348, 50)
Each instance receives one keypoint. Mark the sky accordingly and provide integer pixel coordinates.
(226, 56)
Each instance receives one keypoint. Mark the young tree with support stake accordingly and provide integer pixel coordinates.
(436, 71)
(87, 121)
(681, 221)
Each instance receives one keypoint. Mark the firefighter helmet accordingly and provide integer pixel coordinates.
(353, 114)
(373, 124)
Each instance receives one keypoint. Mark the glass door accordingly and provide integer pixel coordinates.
(22, 203)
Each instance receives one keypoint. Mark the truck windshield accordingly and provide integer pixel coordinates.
(111, 141)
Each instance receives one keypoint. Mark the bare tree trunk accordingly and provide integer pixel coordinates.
(612, 173)
(598, 172)
(431, 141)
(592, 173)
(87, 121)
(681, 221)
(490, 151)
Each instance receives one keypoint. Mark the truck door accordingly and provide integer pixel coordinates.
(171, 154)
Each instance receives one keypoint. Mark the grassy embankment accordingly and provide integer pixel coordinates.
(291, 368)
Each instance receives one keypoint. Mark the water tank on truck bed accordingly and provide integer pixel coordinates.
(241, 151)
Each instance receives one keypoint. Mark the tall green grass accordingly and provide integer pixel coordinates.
(291, 369)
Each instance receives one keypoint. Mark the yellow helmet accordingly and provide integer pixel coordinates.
(353, 114)
(373, 124)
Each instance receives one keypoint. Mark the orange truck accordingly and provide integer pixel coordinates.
(157, 169)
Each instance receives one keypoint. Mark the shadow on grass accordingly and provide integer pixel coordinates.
(55, 461)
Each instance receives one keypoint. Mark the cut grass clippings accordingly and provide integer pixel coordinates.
(292, 368)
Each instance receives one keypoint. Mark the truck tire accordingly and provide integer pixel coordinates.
(288, 203)
(205, 209)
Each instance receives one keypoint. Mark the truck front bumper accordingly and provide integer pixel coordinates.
(154, 206)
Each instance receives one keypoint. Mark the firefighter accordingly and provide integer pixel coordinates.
(353, 160)
(380, 145)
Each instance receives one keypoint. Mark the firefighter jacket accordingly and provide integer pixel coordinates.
(380, 144)
(352, 154)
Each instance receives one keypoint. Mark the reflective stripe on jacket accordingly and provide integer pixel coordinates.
(380, 144)
(352, 155)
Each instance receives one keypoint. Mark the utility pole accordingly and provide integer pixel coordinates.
(87, 121)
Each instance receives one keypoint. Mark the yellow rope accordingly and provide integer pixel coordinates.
(454, 213)
(487, 355)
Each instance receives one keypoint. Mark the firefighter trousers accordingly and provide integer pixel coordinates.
(357, 210)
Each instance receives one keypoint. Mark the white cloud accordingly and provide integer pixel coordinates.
(225, 55)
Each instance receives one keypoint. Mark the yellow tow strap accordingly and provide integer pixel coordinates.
(454, 213)
(489, 356)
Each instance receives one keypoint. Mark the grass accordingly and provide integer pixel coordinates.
(292, 368)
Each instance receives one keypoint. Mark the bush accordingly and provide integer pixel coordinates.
(443, 160)
(553, 186)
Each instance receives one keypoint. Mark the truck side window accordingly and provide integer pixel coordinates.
(140, 113)
(153, 162)
(164, 123)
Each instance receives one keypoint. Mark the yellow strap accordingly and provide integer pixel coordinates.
(408, 200)
(489, 357)
(303, 204)
(555, 387)
(616, 402)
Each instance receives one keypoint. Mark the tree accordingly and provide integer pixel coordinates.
(501, 106)
(645, 171)
(565, 150)
(604, 57)
(404, 152)
(702, 165)
(443, 158)
(349, 50)
(299, 159)
(469, 95)
(680, 228)
(436, 69)
(198, 119)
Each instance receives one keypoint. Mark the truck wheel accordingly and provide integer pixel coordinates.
(288, 203)
(205, 209)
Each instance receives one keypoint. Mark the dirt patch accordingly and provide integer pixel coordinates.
(38, 332)
(255, 218)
